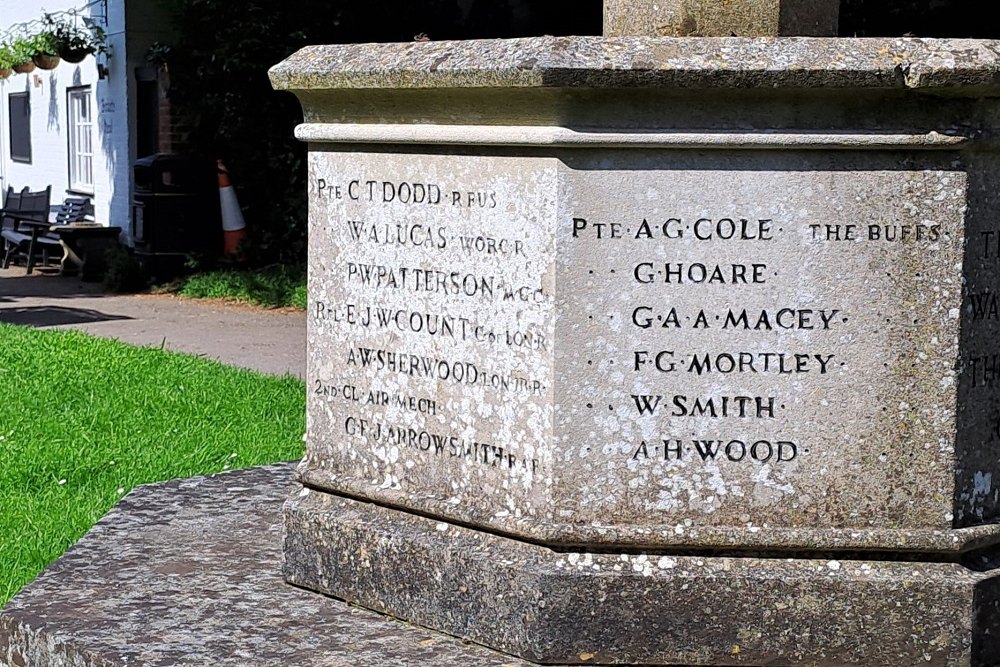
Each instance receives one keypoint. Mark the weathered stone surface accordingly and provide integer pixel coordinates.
(711, 18)
(733, 297)
(662, 348)
(653, 609)
(188, 573)
(645, 62)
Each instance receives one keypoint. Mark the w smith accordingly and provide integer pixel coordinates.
(745, 407)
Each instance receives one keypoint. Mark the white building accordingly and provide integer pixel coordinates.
(76, 127)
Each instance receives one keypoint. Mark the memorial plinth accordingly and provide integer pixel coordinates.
(656, 351)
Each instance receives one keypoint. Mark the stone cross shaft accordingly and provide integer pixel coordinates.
(715, 18)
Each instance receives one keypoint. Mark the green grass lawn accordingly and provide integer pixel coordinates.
(84, 420)
(272, 286)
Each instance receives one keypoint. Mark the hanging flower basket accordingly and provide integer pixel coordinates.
(46, 60)
(72, 42)
(6, 60)
(74, 56)
(60, 39)
(23, 51)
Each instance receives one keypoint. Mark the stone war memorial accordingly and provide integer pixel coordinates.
(666, 347)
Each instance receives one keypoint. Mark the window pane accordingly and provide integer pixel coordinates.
(20, 127)
(80, 138)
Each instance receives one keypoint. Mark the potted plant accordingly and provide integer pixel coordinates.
(74, 43)
(46, 54)
(6, 61)
(22, 50)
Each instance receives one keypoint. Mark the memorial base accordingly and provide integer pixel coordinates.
(187, 574)
(652, 609)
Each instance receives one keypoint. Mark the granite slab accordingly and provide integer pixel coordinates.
(646, 62)
(643, 608)
(189, 573)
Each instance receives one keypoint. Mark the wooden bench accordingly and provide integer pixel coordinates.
(23, 220)
(41, 232)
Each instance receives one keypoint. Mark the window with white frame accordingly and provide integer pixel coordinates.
(81, 139)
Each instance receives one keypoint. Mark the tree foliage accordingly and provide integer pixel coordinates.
(218, 71)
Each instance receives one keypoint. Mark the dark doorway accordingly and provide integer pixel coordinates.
(147, 116)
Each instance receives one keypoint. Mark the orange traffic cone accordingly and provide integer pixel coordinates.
(234, 227)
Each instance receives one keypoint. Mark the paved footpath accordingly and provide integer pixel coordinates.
(268, 341)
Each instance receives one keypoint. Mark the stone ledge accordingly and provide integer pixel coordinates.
(648, 62)
(562, 137)
(581, 608)
(188, 573)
